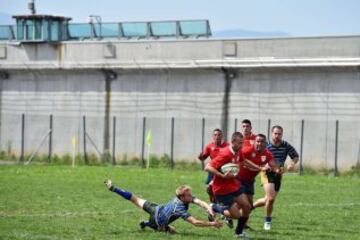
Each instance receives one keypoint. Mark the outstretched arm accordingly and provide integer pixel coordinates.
(200, 223)
(204, 205)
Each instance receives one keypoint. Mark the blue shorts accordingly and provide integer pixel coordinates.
(209, 178)
(228, 199)
(247, 187)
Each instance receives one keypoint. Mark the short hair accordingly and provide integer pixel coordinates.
(247, 121)
(182, 189)
(278, 127)
(217, 130)
(235, 135)
(262, 136)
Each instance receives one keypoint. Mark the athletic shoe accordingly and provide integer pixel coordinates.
(267, 226)
(242, 235)
(108, 184)
(211, 218)
(142, 224)
(228, 221)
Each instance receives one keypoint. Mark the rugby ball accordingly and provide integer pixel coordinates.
(232, 167)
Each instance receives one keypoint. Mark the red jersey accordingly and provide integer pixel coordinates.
(250, 153)
(249, 140)
(222, 186)
(213, 150)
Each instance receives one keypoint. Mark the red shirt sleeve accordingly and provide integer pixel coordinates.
(206, 152)
(219, 160)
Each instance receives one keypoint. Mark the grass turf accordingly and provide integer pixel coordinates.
(58, 202)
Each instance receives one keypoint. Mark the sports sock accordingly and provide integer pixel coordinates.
(267, 219)
(123, 193)
(241, 224)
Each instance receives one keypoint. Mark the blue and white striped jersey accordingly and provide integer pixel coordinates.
(281, 152)
(169, 212)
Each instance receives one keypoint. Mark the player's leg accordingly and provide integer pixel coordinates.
(261, 201)
(139, 202)
(245, 207)
(270, 196)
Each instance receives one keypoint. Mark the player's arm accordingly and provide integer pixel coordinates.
(252, 166)
(204, 154)
(204, 205)
(274, 167)
(293, 155)
(200, 223)
(209, 168)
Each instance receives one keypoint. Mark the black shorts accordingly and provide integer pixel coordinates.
(228, 199)
(150, 208)
(271, 177)
(247, 187)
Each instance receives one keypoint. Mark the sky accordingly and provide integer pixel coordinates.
(295, 17)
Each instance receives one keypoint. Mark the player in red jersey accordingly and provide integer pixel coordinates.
(256, 159)
(225, 186)
(249, 137)
(212, 150)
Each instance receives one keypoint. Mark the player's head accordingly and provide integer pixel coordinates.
(276, 133)
(217, 136)
(184, 193)
(260, 142)
(246, 127)
(237, 141)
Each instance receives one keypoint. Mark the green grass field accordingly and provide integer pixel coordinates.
(58, 202)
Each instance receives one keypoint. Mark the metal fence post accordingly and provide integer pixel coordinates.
(114, 141)
(236, 124)
(202, 140)
(269, 128)
(22, 137)
(84, 130)
(301, 147)
(50, 138)
(172, 143)
(336, 172)
(143, 144)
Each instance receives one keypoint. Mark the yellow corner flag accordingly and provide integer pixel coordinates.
(73, 141)
(149, 138)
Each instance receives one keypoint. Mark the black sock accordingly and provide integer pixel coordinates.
(240, 226)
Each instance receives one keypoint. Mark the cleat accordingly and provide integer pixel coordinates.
(228, 221)
(267, 226)
(211, 218)
(142, 225)
(242, 235)
(108, 184)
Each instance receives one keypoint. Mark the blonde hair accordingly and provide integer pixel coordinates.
(182, 189)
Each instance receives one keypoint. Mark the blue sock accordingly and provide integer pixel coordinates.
(267, 219)
(123, 193)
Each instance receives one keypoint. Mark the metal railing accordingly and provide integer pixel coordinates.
(126, 30)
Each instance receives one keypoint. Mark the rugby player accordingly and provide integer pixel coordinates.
(162, 215)
(225, 185)
(212, 150)
(271, 181)
(246, 129)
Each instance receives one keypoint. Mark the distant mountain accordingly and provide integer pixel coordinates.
(233, 33)
(6, 19)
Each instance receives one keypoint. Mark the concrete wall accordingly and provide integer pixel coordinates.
(285, 80)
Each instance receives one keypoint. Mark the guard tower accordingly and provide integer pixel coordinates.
(41, 28)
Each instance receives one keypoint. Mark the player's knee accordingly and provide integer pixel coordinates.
(270, 199)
